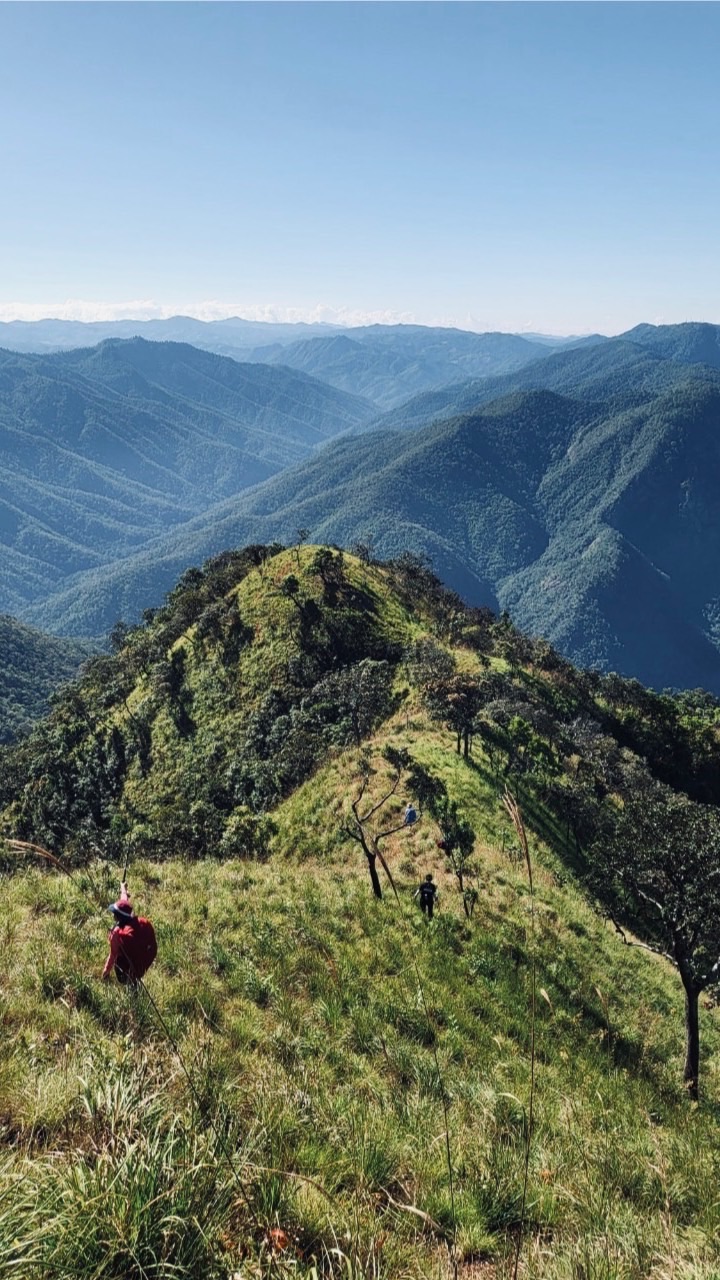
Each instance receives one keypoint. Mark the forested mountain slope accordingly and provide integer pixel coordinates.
(32, 667)
(690, 343)
(354, 1081)
(103, 450)
(594, 526)
(272, 628)
(605, 544)
(388, 364)
(617, 373)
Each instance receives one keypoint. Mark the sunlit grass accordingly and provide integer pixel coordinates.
(292, 996)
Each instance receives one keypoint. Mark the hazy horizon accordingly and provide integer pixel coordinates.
(86, 313)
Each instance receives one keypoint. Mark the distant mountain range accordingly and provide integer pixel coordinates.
(104, 449)
(384, 363)
(578, 490)
(220, 336)
(619, 372)
(389, 364)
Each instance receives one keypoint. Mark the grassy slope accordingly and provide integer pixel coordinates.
(294, 998)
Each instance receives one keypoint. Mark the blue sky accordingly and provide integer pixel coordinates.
(511, 166)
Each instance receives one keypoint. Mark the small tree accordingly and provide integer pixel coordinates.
(302, 534)
(458, 702)
(329, 567)
(510, 643)
(457, 843)
(289, 589)
(118, 635)
(364, 550)
(428, 664)
(656, 867)
(367, 691)
(457, 838)
(528, 753)
(362, 826)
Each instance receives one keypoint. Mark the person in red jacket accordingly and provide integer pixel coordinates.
(132, 943)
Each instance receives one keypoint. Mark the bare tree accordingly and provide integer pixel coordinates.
(363, 826)
(301, 535)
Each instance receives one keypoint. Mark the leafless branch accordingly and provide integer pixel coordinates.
(653, 903)
(384, 800)
(634, 942)
(391, 831)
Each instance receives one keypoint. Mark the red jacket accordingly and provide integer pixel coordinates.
(132, 947)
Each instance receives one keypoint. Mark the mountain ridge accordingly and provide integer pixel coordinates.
(105, 448)
(523, 487)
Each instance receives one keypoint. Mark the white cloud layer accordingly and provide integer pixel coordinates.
(147, 309)
(320, 313)
(214, 309)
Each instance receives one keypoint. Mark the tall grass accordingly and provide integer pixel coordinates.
(143, 1192)
(292, 996)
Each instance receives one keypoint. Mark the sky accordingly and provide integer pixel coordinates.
(548, 167)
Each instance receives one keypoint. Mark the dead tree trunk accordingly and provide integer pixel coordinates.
(691, 1073)
(374, 877)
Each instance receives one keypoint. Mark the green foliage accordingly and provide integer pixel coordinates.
(148, 1202)
(224, 700)
(266, 664)
(263, 662)
(33, 667)
(429, 663)
(294, 1001)
(247, 835)
(654, 864)
(656, 860)
(458, 701)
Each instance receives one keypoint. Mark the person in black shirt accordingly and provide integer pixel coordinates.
(427, 893)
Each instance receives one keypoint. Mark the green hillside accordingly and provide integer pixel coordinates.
(317, 1082)
(32, 667)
